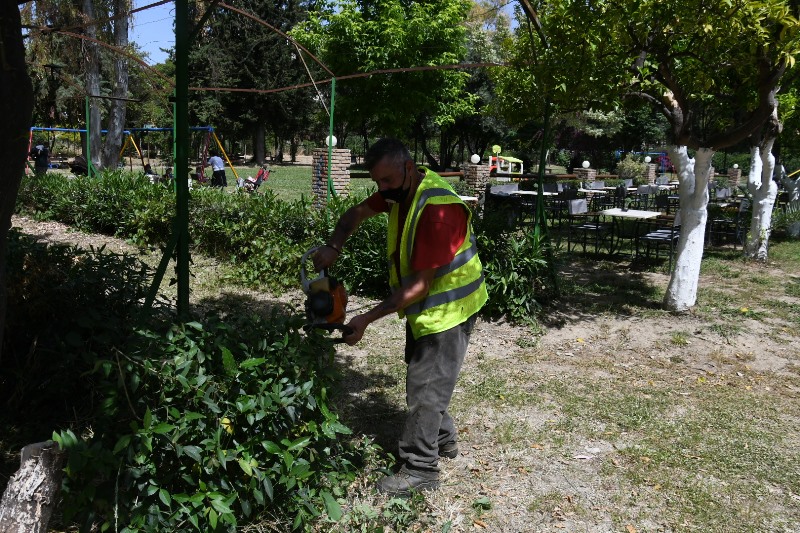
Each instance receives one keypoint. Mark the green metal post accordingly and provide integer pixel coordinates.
(540, 226)
(88, 136)
(331, 190)
(182, 153)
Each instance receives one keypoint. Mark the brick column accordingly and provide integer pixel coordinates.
(585, 174)
(340, 173)
(476, 176)
(734, 175)
(650, 173)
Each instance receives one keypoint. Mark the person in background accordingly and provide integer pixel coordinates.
(41, 158)
(218, 178)
(437, 284)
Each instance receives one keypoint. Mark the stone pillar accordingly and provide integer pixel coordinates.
(340, 173)
(734, 175)
(586, 174)
(476, 176)
(650, 173)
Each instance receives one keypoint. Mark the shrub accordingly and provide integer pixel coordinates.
(630, 168)
(205, 423)
(514, 267)
(167, 428)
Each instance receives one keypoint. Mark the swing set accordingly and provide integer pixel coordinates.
(130, 142)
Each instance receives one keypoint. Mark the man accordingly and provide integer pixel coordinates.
(218, 178)
(437, 284)
(41, 158)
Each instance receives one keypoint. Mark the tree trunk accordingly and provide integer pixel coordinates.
(92, 65)
(16, 108)
(31, 494)
(118, 108)
(764, 191)
(258, 144)
(693, 176)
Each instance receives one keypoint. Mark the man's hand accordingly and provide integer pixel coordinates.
(324, 257)
(359, 324)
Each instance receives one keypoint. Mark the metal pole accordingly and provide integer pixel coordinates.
(88, 135)
(331, 190)
(182, 153)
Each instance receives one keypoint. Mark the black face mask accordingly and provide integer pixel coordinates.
(397, 195)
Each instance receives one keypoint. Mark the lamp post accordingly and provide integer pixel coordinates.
(475, 159)
(647, 159)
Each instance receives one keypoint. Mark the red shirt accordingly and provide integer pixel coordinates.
(441, 231)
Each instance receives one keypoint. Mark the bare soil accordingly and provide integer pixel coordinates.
(518, 451)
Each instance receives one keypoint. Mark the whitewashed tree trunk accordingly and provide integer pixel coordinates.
(764, 191)
(693, 175)
(32, 492)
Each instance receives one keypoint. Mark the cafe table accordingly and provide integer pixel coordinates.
(534, 193)
(618, 228)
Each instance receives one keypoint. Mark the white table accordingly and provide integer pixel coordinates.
(468, 199)
(632, 214)
(534, 193)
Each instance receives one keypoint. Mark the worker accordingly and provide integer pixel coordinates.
(437, 283)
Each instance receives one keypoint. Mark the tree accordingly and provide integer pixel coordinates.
(96, 67)
(16, 107)
(235, 50)
(353, 37)
(712, 69)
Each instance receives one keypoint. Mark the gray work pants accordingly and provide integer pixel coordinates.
(434, 362)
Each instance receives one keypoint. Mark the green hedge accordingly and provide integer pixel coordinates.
(265, 237)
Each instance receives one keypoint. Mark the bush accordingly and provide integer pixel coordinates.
(205, 423)
(167, 428)
(514, 266)
(264, 237)
(630, 168)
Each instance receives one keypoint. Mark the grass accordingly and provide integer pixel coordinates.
(290, 182)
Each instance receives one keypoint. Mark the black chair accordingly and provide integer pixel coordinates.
(661, 203)
(722, 229)
(663, 232)
(585, 227)
(501, 207)
(557, 206)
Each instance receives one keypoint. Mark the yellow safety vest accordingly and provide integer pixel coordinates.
(458, 289)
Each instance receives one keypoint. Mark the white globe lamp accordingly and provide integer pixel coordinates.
(585, 164)
(475, 159)
(735, 166)
(647, 159)
(330, 141)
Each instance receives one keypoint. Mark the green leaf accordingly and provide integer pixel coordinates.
(193, 452)
(148, 419)
(332, 507)
(271, 447)
(163, 495)
(212, 518)
(245, 465)
(163, 428)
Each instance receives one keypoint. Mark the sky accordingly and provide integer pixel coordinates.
(152, 29)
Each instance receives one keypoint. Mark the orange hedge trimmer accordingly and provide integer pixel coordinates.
(326, 300)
